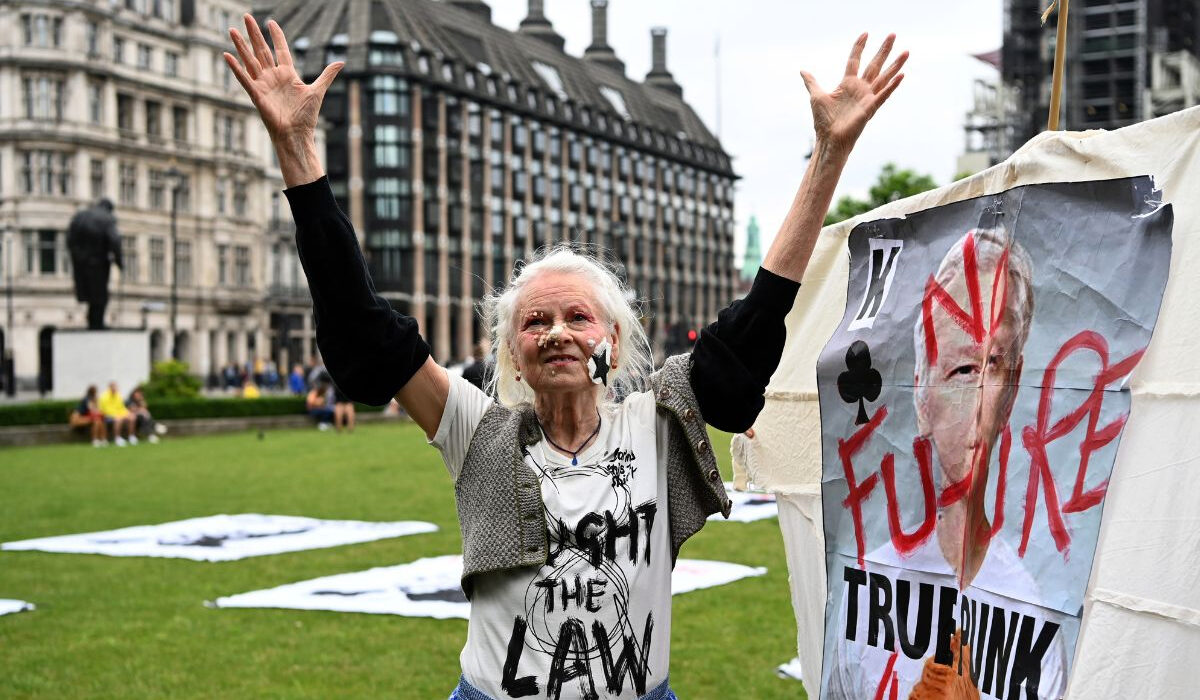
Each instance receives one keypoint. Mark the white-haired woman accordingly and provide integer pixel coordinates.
(572, 505)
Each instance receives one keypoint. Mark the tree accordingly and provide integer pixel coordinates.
(891, 185)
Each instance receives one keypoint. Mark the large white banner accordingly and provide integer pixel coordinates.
(223, 537)
(9, 606)
(430, 588)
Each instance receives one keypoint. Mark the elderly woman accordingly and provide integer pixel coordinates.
(572, 505)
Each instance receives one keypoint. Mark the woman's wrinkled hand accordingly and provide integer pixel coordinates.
(839, 116)
(287, 105)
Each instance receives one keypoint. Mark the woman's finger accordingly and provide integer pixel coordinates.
(882, 96)
(239, 42)
(856, 55)
(884, 80)
(259, 42)
(239, 72)
(283, 54)
(810, 84)
(321, 84)
(881, 55)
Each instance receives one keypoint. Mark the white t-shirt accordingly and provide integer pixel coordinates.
(595, 620)
(857, 667)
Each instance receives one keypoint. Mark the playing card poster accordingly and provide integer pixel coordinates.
(972, 403)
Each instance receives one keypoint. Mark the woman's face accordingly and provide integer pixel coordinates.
(559, 328)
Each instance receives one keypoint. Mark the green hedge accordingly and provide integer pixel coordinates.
(51, 412)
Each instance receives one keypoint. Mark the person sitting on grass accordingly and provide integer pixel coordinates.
(144, 424)
(117, 417)
(586, 466)
(317, 405)
(343, 412)
(87, 415)
(249, 389)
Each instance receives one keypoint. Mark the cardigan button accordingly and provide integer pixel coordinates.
(689, 414)
(714, 475)
(664, 394)
(702, 447)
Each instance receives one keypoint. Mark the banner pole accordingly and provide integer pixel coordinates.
(1060, 55)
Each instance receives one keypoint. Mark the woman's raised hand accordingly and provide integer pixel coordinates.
(288, 107)
(839, 116)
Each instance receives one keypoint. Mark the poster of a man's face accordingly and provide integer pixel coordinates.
(964, 396)
(972, 402)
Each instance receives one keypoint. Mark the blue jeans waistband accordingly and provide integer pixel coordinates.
(466, 691)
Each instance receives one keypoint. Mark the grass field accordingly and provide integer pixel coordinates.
(115, 627)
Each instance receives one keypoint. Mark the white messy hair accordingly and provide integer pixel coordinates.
(990, 245)
(617, 307)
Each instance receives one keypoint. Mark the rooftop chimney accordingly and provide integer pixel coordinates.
(537, 26)
(478, 8)
(600, 52)
(659, 76)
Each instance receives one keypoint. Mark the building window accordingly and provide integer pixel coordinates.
(41, 252)
(153, 119)
(179, 124)
(241, 266)
(144, 55)
(164, 9)
(158, 180)
(388, 151)
(222, 264)
(118, 50)
(42, 30)
(183, 263)
(158, 260)
(93, 39)
(389, 95)
(239, 199)
(222, 192)
(387, 193)
(95, 102)
(128, 184)
(97, 178)
(46, 173)
(43, 97)
(125, 113)
(171, 64)
(129, 258)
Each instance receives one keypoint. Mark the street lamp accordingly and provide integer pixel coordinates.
(175, 181)
(6, 361)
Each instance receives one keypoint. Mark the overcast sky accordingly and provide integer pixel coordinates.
(764, 117)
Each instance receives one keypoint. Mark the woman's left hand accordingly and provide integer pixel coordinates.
(839, 116)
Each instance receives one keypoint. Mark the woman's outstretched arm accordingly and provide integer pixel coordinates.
(372, 352)
(735, 357)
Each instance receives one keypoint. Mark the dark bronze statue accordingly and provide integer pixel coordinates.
(94, 245)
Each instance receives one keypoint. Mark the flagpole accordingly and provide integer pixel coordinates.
(1060, 55)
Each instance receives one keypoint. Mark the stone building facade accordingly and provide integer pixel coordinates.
(459, 148)
(100, 98)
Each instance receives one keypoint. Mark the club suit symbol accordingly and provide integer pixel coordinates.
(860, 381)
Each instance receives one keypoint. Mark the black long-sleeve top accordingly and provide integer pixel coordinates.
(372, 350)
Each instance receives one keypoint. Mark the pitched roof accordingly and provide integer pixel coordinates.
(442, 32)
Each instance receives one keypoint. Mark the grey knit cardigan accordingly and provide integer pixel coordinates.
(500, 509)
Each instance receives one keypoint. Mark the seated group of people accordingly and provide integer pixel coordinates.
(110, 417)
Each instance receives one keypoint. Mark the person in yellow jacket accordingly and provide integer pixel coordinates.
(117, 416)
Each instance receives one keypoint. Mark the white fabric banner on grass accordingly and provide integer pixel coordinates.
(748, 506)
(9, 606)
(430, 588)
(223, 537)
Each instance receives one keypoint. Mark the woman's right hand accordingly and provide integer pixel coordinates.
(287, 105)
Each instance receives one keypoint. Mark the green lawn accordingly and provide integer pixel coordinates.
(116, 627)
